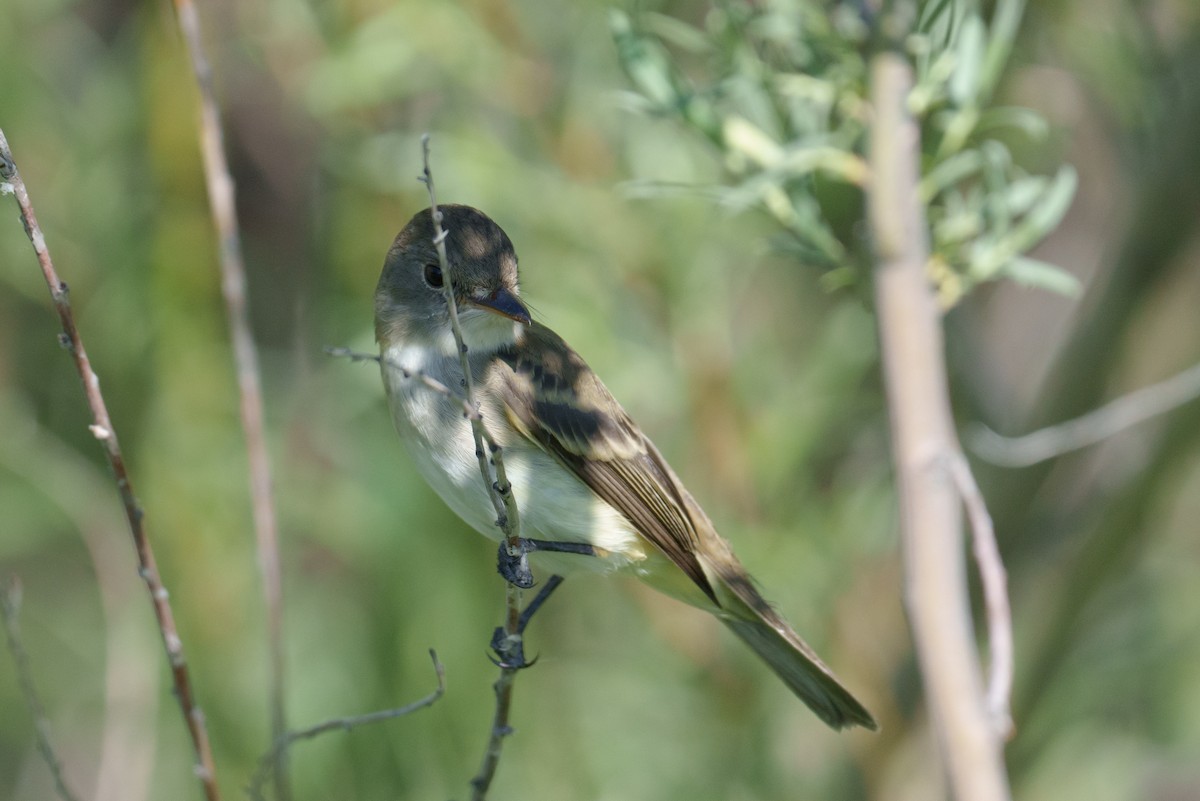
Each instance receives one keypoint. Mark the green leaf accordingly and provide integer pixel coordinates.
(747, 139)
(965, 82)
(677, 32)
(1045, 216)
(937, 17)
(1025, 120)
(1040, 275)
(840, 164)
(949, 172)
(1005, 22)
(1020, 195)
(644, 61)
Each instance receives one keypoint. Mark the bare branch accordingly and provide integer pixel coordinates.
(507, 516)
(282, 744)
(994, 579)
(924, 447)
(1093, 427)
(469, 411)
(245, 355)
(500, 491)
(10, 607)
(102, 429)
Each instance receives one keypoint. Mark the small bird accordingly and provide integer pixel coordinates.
(582, 473)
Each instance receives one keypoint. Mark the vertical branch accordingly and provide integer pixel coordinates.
(245, 354)
(508, 519)
(102, 429)
(507, 516)
(924, 446)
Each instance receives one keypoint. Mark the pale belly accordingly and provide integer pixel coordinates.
(554, 505)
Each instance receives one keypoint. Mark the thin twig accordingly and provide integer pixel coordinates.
(508, 517)
(469, 411)
(924, 446)
(271, 758)
(245, 355)
(102, 429)
(1089, 429)
(994, 579)
(500, 491)
(10, 606)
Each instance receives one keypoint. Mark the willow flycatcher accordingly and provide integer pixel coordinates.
(581, 470)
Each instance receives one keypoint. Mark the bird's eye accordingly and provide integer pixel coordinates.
(433, 275)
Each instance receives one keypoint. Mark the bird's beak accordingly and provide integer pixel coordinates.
(504, 303)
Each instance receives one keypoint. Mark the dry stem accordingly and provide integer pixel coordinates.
(282, 744)
(1091, 428)
(924, 445)
(245, 354)
(102, 429)
(500, 491)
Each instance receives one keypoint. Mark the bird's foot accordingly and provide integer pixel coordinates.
(514, 567)
(510, 648)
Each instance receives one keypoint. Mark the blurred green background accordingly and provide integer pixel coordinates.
(760, 387)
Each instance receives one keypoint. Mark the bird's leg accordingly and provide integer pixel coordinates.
(510, 651)
(515, 567)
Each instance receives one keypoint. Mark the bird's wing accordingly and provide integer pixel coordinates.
(553, 398)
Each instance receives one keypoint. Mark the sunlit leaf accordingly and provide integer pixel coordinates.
(746, 138)
(964, 83)
(1005, 21)
(1020, 195)
(1022, 119)
(1040, 275)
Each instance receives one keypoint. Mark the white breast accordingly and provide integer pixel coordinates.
(554, 505)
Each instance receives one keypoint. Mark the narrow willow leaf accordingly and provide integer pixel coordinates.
(1045, 216)
(949, 172)
(1025, 120)
(1020, 195)
(964, 83)
(677, 32)
(644, 61)
(746, 138)
(1040, 275)
(836, 163)
(1005, 21)
(939, 13)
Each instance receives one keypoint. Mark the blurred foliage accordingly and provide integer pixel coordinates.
(760, 387)
(780, 89)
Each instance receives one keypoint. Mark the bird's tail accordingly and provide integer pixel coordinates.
(753, 620)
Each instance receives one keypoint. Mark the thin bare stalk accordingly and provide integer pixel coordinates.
(1091, 428)
(994, 579)
(469, 411)
(924, 446)
(10, 607)
(245, 355)
(102, 429)
(507, 516)
(271, 758)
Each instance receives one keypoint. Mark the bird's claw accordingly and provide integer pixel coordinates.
(514, 567)
(510, 651)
